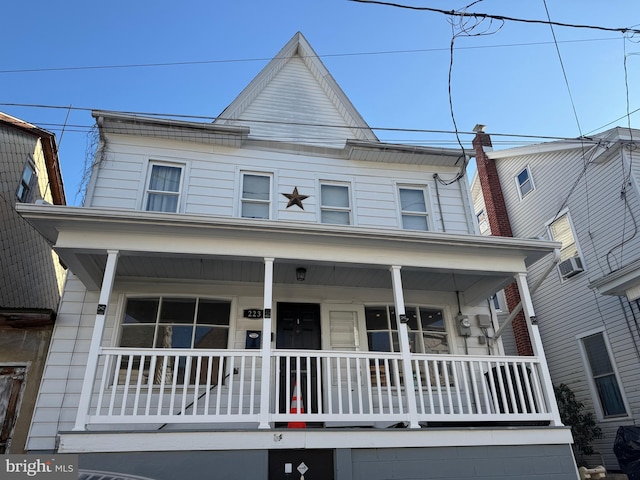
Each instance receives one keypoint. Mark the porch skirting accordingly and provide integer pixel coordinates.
(498, 462)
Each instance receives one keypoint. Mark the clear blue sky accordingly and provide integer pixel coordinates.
(392, 63)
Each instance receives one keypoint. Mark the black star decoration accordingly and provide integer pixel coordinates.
(295, 198)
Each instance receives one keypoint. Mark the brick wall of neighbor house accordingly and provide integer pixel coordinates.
(496, 211)
(32, 276)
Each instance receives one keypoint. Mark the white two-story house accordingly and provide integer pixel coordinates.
(583, 193)
(279, 294)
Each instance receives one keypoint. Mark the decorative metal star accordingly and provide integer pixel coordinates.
(295, 198)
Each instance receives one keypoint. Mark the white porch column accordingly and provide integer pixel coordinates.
(536, 344)
(265, 380)
(96, 339)
(403, 336)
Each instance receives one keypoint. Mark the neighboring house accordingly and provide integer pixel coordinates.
(234, 282)
(585, 194)
(31, 276)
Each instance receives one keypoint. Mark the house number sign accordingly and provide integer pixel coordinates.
(252, 313)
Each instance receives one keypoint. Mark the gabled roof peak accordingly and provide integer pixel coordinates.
(295, 99)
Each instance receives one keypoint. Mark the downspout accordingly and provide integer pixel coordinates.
(435, 177)
(516, 310)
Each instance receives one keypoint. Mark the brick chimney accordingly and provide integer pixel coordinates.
(496, 211)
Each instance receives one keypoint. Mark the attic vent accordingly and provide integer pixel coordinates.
(570, 267)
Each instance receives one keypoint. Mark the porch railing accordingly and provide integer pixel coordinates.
(160, 387)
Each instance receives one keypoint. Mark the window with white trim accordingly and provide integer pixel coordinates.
(255, 201)
(160, 322)
(413, 208)
(163, 188)
(335, 203)
(561, 231)
(602, 375)
(524, 182)
(426, 327)
(483, 222)
(28, 180)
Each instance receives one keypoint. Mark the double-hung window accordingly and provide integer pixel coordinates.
(256, 196)
(28, 181)
(335, 203)
(524, 182)
(561, 231)
(602, 375)
(163, 189)
(413, 208)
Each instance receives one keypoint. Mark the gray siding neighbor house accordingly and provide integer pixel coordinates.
(278, 294)
(583, 193)
(31, 276)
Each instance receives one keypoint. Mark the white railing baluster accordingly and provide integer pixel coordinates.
(167, 386)
(115, 383)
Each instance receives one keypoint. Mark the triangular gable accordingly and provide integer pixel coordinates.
(295, 99)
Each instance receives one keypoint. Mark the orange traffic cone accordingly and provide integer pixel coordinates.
(295, 408)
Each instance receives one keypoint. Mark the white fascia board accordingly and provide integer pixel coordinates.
(53, 220)
(94, 442)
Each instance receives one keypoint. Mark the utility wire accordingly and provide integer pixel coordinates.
(243, 60)
(500, 17)
(211, 119)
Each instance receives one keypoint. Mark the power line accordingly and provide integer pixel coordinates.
(211, 119)
(500, 17)
(243, 60)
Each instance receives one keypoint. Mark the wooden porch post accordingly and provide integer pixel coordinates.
(96, 339)
(538, 349)
(403, 336)
(265, 379)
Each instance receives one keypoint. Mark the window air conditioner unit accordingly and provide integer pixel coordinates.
(570, 267)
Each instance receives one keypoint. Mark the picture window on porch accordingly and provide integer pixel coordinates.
(603, 377)
(163, 190)
(413, 209)
(174, 323)
(427, 331)
(335, 205)
(256, 196)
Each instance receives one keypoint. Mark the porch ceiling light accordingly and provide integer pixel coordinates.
(301, 274)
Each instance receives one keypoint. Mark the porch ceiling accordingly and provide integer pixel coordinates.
(206, 248)
(212, 269)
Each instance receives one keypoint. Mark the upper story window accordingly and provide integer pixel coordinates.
(335, 203)
(256, 196)
(524, 182)
(163, 190)
(426, 325)
(483, 222)
(25, 192)
(602, 376)
(413, 209)
(561, 230)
